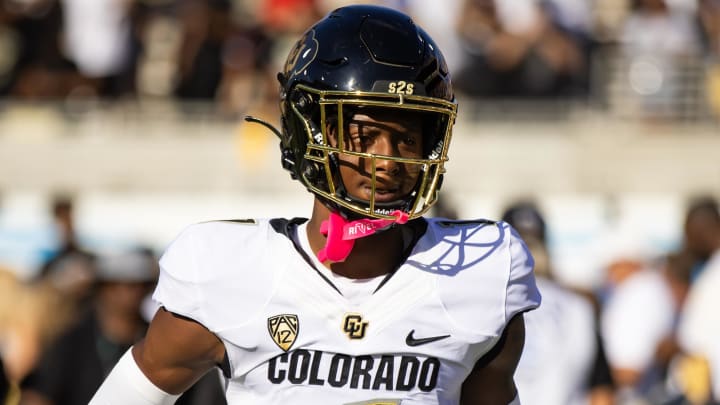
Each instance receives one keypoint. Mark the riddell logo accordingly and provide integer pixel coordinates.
(319, 138)
(360, 228)
(383, 211)
(436, 151)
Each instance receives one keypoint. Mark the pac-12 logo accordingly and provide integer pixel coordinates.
(283, 330)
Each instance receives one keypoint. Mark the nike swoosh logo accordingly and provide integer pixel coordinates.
(410, 340)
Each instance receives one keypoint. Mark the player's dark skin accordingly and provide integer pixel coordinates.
(176, 351)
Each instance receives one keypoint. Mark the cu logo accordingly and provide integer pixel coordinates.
(354, 327)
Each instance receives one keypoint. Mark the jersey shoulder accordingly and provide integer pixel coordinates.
(484, 273)
(213, 266)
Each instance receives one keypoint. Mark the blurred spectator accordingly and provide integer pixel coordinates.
(699, 329)
(71, 269)
(62, 210)
(709, 16)
(289, 16)
(563, 360)
(284, 21)
(9, 52)
(158, 36)
(215, 58)
(439, 19)
(639, 341)
(41, 70)
(574, 16)
(248, 80)
(74, 365)
(97, 38)
(204, 26)
(30, 317)
(657, 39)
(517, 49)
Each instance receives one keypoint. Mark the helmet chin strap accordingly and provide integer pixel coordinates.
(341, 233)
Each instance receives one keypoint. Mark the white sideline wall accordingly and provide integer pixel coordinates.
(140, 180)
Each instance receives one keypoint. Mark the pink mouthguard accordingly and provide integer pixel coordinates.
(341, 234)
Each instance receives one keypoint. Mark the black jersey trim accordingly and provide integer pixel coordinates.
(245, 221)
(418, 227)
(288, 228)
(446, 223)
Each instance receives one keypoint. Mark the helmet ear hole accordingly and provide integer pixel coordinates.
(288, 162)
(315, 171)
(303, 102)
(307, 108)
(310, 171)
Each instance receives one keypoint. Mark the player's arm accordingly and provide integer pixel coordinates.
(174, 354)
(491, 381)
(177, 351)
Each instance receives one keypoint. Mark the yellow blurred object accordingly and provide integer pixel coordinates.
(253, 141)
(693, 375)
(713, 88)
(13, 397)
(31, 315)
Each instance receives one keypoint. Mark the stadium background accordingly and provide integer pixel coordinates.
(143, 164)
(135, 113)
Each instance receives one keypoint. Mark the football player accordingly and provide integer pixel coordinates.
(367, 301)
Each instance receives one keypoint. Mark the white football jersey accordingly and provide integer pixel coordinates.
(291, 337)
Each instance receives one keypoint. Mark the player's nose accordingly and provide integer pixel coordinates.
(386, 146)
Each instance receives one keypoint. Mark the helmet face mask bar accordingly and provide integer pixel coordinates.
(359, 59)
(321, 174)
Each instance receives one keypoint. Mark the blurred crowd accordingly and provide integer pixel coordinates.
(227, 51)
(63, 330)
(647, 333)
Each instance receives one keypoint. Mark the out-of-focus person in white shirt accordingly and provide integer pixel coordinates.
(637, 318)
(699, 328)
(562, 352)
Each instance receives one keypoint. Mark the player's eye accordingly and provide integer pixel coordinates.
(409, 140)
(359, 139)
(363, 136)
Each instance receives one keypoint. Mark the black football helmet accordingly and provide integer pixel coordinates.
(364, 57)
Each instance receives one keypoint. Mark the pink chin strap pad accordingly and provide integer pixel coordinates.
(341, 234)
